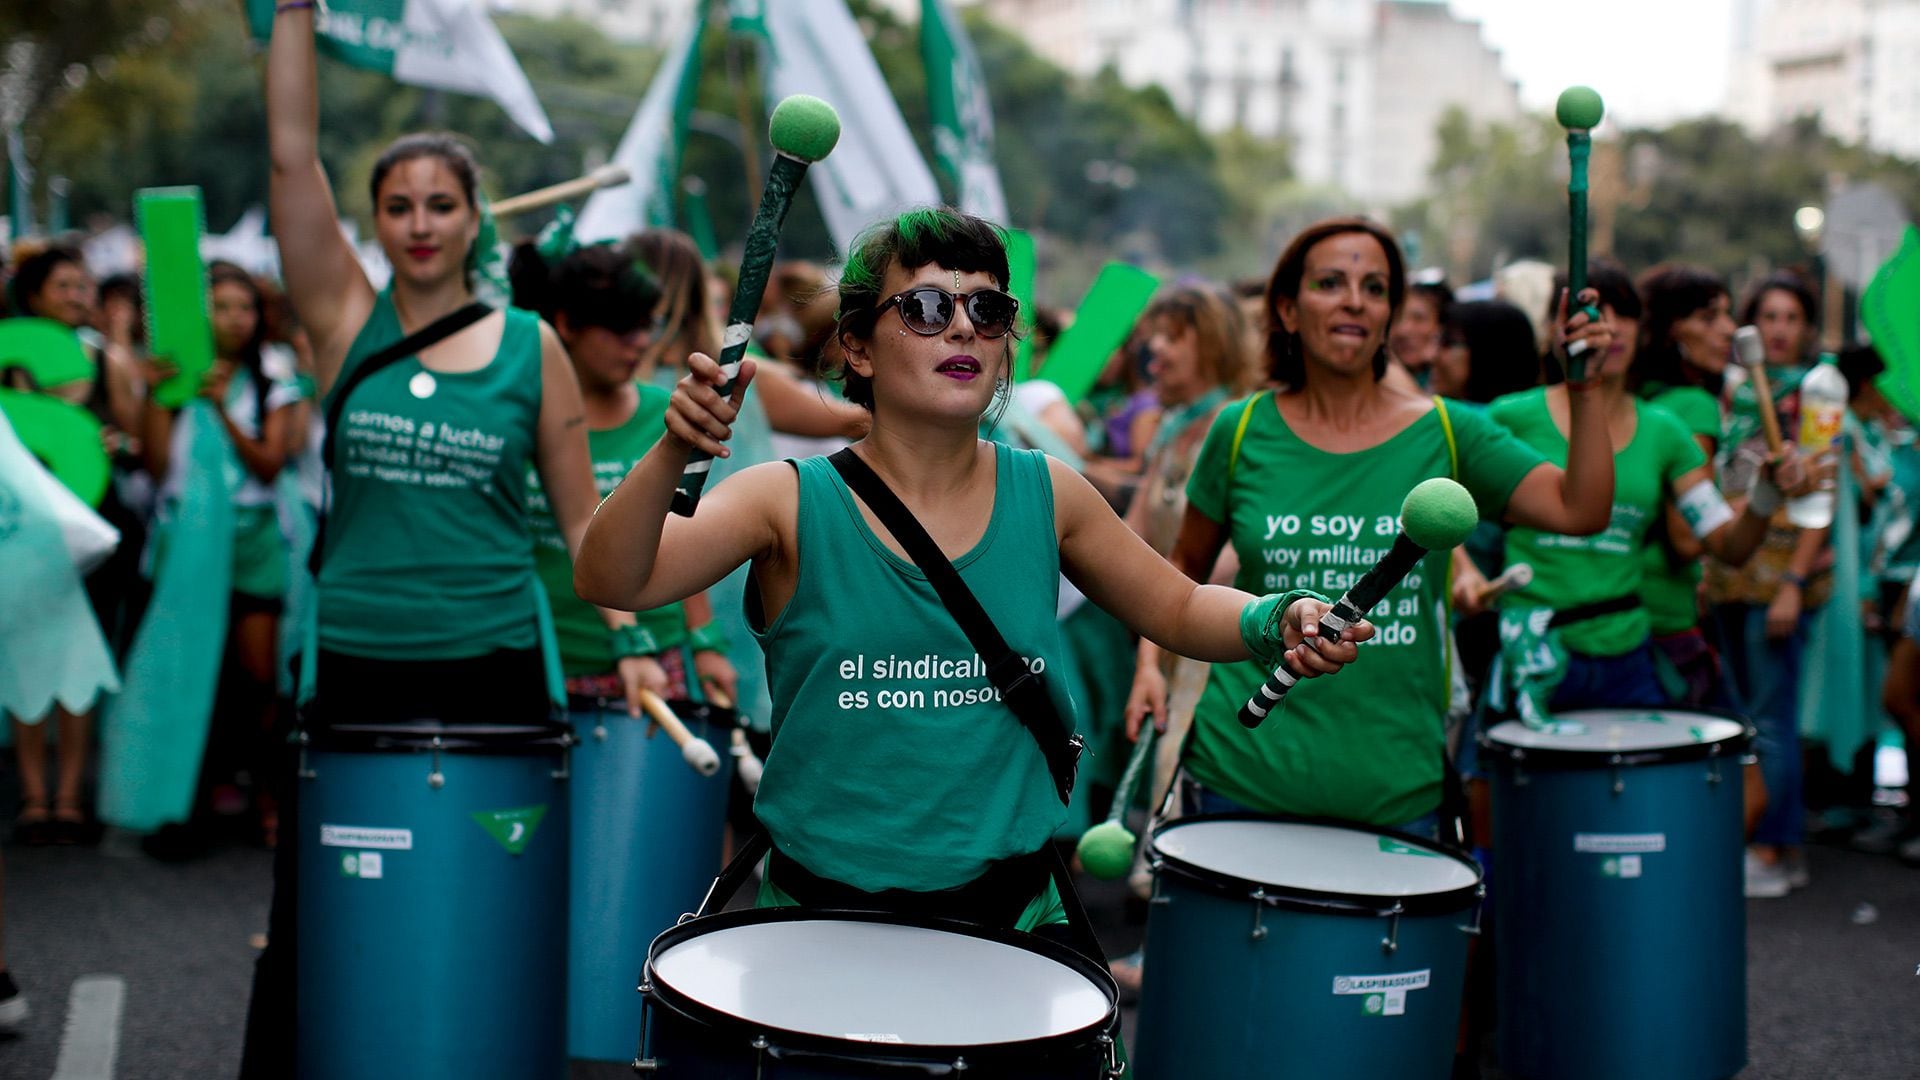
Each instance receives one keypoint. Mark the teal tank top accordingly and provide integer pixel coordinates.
(894, 764)
(585, 646)
(428, 552)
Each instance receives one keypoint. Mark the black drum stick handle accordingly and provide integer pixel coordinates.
(1352, 606)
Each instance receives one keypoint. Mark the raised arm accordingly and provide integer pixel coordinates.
(1577, 500)
(634, 557)
(329, 290)
(797, 407)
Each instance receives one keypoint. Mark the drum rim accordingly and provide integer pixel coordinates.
(1569, 758)
(1369, 905)
(778, 1038)
(415, 736)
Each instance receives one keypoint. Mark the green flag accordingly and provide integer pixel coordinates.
(1022, 266)
(1890, 310)
(962, 113)
(651, 148)
(1101, 324)
(439, 44)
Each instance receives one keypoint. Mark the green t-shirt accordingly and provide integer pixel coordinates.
(1669, 591)
(894, 764)
(1364, 745)
(1569, 571)
(428, 555)
(585, 647)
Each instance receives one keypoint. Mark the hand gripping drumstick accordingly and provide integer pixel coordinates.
(1517, 576)
(1752, 354)
(1579, 110)
(803, 130)
(746, 764)
(696, 750)
(605, 176)
(1438, 514)
(1106, 850)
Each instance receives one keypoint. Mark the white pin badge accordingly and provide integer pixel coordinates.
(422, 385)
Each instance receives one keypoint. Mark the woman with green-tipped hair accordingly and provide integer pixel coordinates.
(898, 779)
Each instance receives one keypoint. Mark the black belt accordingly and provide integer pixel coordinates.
(1583, 612)
(995, 898)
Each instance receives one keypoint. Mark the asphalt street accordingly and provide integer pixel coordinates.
(1833, 976)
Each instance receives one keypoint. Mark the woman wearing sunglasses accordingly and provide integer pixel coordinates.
(1305, 481)
(898, 779)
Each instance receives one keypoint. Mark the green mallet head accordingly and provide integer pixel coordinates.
(1438, 514)
(804, 127)
(1106, 850)
(1579, 108)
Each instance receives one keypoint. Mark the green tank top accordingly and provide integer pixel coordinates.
(894, 764)
(428, 554)
(585, 648)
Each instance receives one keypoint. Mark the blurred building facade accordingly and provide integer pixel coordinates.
(1852, 64)
(1356, 86)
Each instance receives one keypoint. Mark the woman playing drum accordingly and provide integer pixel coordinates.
(1306, 481)
(898, 778)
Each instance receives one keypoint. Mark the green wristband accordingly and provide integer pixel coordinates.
(632, 641)
(1263, 623)
(708, 638)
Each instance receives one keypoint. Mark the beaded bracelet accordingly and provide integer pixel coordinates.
(708, 638)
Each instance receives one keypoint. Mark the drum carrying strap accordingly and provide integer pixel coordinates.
(1020, 686)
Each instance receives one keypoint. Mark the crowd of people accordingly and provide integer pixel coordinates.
(1240, 460)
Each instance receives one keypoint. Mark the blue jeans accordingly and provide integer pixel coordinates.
(1764, 678)
(1629, 680)
(1198, 800)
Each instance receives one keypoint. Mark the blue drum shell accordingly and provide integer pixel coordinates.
(451, 963)
(1607, 969)
(647, 836)
(1225, 997)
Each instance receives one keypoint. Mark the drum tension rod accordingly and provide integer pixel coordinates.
(1619, 781)
(1259, 910)
(1114, 1068)
(1156, 897)
(1713, 764)
(1391, 943)
(1479, 911)
(305, 772)
(436, 779)
(565, 771)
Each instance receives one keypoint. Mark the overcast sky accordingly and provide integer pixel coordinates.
(1651, 60)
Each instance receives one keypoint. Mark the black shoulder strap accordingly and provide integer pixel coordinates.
(424, 338)
(1019, 686)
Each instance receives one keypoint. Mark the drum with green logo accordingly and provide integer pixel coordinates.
(1621, 928)
(433, 902)
(1280, 948)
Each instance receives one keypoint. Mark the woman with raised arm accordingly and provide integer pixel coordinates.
(427, 597)
(1305, 481)
(899, 778)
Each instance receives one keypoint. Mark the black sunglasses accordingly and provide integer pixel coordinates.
(927, 310)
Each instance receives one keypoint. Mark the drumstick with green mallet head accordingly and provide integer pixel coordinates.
(803, 130)
(1106, 850)
(1579, 110)
(1437, 515)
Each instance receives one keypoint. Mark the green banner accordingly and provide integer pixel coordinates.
(1021, 266)
(962, 112)
(1101, 325)
(1890, 310)
(178, 330)
(512, 828)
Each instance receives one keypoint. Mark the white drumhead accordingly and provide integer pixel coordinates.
(879, 982)
(1615, 731)
(1319, 858)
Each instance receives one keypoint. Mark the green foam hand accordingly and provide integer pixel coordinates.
(47, 350)
(66, 439)
(1101, 325)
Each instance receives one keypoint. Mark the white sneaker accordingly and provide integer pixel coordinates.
(1794, 864)
(1765, 881)
(13, 1005)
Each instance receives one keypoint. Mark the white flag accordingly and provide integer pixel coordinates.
(875, 171)
(650, 149)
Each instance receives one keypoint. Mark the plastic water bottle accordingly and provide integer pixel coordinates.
(1823, 409)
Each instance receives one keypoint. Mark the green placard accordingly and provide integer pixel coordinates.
(47, 350)
(1020, 272)
(1887, 311)
(513, 828)
(178, 330)
(66, 438)
(1101, 325)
